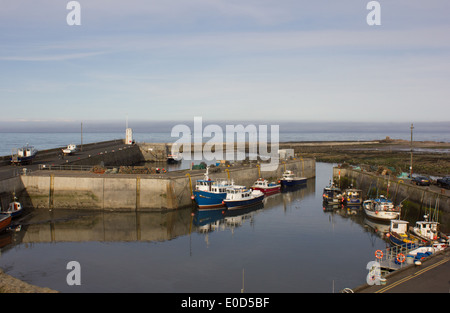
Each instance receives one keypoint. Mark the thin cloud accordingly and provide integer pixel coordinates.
(54, 57)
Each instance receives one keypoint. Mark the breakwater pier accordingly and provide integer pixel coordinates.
(71, 183)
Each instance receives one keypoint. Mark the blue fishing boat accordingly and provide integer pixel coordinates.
(399, 235)
(352, 197)
(240, 197)
(209, 194)
(289, 179)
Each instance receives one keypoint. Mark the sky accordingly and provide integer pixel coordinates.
(230, 60)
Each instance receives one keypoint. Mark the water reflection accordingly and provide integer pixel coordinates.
(318, 246)
(42, 226)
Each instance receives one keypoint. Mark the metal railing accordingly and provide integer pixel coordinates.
(65, 167)
(394, 258)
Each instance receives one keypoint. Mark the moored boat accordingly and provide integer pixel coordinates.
(428, 231)
(381, 208)
(352, 197)
(289, 179)
(268, 188)
(174, 158)
(331, 194)
(209, 194)
(399, 234)
(14, 209)
(5, 221)
(240, 196)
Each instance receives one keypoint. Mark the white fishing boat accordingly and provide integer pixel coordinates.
(23, 155)
(381, 208)
(289, 179)
(14, 209)
(72, 148)
(241, 196)
(429, 232)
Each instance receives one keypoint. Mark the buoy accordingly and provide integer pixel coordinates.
(418, 263)
(379, 254)
(401, 258)
(192, 197)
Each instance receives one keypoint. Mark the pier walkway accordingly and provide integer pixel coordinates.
(53, 156)
(433, 276)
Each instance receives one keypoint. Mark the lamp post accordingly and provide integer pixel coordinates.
(411, 163)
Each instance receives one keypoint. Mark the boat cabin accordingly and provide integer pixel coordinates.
(238, 193)
(203, 185)
(399, 226)
(427, 229)
(25, 151)
(382, 203)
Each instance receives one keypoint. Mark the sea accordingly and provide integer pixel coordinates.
(10, 141)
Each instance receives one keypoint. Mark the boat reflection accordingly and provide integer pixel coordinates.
(380, 228)
(44, 226)
(345, 211)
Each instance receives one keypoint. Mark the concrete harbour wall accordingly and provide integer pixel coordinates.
(130, 192)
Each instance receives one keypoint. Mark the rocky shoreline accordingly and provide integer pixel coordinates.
(9, 284)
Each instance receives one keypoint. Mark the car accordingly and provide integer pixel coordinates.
(421, 181)
(444, 182)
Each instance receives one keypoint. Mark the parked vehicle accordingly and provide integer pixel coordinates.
(421, 181)
(444, 182)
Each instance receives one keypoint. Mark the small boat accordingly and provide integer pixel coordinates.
(209, 194)
(399, 234)
(429, 232)
(331, 194)
(420, 254)
(240, 197)
(352, 197)
(5, 221)
(174, 158)
(23, 155)
(14, 208)
(266, 187)
(289, 179)
(381, 208)
(70, 149)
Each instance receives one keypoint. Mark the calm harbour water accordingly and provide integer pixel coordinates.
(290, 245)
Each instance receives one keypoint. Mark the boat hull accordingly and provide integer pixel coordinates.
(404, 242)
(269, 190)
(209, 200)
(382, 215)
(238, 204)
(292, 182)
(5, 221)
